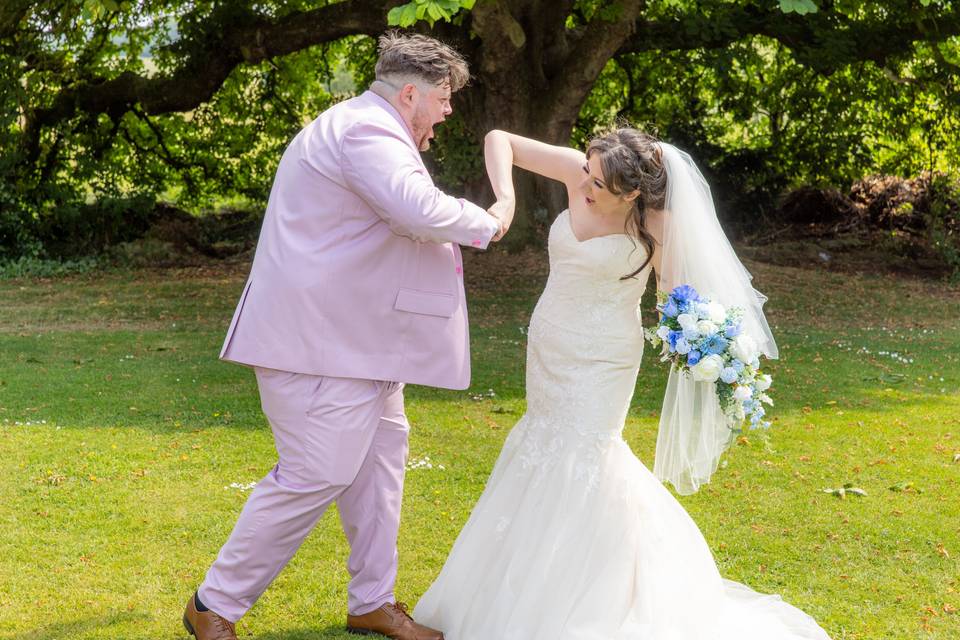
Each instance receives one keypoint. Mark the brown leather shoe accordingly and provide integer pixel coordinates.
(206, 625)
(393, 621)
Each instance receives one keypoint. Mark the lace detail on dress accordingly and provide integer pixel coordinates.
(545, 443)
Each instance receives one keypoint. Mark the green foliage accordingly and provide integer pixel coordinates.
(943, 221)
(73, 230)
(431, 11)
(761, 114)
(762, 120)
(33, 267)
(798, 6)
(457, 153)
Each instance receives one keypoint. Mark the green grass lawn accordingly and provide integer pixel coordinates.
(125, 447)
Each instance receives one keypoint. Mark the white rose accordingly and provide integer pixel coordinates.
(663, 332)
(705, 327)
(742, 393)
(708, 369)
(744, 348)
(687, 321)
(763, 382)
(717, 313)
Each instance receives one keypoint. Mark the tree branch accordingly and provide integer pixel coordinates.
(823, 41)
(209, 59)
(12, 13)
(597, 42)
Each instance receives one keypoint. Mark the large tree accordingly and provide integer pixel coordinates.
(77, 83)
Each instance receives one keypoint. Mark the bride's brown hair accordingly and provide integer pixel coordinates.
(631, 160)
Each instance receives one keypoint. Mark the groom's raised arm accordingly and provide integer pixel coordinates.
(384, 170)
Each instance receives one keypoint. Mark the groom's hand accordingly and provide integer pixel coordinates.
(502, 210)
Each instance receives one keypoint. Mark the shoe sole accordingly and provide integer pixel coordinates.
(364, 632)
(189, 627)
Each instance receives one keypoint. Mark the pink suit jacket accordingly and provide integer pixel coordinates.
(357, 272)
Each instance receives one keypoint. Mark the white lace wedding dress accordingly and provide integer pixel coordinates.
(573, 537)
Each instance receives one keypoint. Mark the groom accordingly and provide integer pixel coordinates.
(356, 289)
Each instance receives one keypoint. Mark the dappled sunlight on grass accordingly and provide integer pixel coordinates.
(127, 451)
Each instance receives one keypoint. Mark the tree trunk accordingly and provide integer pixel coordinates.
(539, 200)
(531, 76)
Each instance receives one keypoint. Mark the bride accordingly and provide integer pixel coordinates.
(573, 537)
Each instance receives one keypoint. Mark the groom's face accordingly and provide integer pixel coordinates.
(432, 107)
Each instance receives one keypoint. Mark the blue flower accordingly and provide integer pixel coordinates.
(737, 365)
(670, 309)
(672, 339)
(715, 344)
(733, 331)
(728, 375)
(684, 293)
(683, 346)
(693, 357)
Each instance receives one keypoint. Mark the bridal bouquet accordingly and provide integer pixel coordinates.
(701, 337)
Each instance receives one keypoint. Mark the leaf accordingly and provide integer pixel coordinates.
(848, 487)
(800, 7)
(905, 485)
(395, 15)
(403, 16)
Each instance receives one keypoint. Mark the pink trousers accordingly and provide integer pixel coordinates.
(338, 439)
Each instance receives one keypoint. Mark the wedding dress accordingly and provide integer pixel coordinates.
(573, 537)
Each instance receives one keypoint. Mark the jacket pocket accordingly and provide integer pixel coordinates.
(426, 303)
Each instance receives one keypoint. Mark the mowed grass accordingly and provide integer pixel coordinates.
(126, 448)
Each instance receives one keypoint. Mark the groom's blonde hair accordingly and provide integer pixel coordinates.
(414, 56)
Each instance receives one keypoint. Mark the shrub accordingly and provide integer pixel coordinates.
(942, 218)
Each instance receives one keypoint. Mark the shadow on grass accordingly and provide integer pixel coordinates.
(77, 628)
(74, 628)
(329, 633)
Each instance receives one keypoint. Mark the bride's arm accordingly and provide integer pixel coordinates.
(502, 150)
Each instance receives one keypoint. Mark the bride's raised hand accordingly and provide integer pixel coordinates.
(503, 210)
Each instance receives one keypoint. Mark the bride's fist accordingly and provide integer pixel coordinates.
(503, 211)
